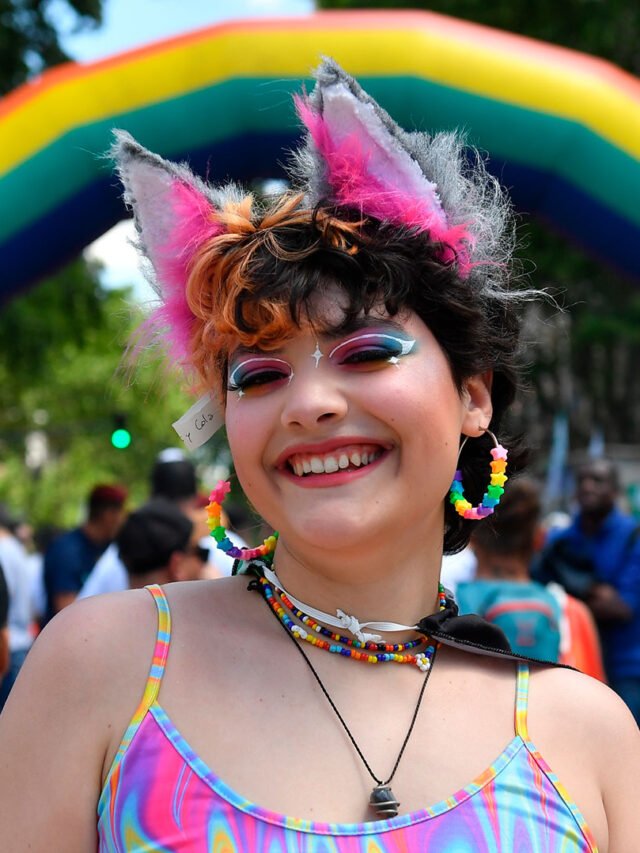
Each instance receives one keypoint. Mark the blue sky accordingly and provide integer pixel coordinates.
(129, 24)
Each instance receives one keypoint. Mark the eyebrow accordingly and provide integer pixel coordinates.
(347, 327)
(363, 321)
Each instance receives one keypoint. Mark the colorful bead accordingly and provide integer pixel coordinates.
(495, 490)
(368, 646)
(219, 533)
(349, 648)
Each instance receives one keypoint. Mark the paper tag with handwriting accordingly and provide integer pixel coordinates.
(203, 420)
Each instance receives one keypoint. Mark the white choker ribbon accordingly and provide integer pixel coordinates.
(341, 620)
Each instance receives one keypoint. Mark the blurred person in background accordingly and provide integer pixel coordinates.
(4, 629)
(502, 591)
(597, 558)
(159, 544)
(70, 558)
(44, 536)
(543, 619)
(13, 559)
(173, 478)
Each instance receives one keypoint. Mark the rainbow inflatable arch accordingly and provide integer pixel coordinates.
(562, 129)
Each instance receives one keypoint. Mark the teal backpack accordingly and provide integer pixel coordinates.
(528, 614)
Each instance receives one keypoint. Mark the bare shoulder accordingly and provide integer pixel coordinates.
(78, 688)
(579, 707)
(89, 641)
(213, 607)
(588, 737)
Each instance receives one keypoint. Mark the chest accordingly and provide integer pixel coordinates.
(245, 714)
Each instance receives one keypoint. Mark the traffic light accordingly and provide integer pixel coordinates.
(120, 437)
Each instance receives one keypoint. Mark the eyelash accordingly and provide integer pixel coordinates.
(256, 380)
(263, 372)
(367, 354)
(370, 354)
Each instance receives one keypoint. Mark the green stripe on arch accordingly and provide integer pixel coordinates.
(548, 143)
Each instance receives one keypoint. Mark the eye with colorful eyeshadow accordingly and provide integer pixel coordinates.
(254, 373)
(371, 349)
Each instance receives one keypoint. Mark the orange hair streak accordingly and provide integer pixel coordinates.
(225, 270)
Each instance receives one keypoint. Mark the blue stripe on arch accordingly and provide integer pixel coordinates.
(60, 235)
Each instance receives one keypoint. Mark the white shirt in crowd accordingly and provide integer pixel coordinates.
(14, 562)
(110, 575)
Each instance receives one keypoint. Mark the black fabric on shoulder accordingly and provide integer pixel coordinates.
(473, 634)
(469, 633)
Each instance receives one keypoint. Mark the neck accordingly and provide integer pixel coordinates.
(94, 532)
(502, 567)
(393, 583)
(591, 521)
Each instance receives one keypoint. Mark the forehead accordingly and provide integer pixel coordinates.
(330, 324)
(601, 472)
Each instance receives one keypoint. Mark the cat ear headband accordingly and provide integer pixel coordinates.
(354, 155)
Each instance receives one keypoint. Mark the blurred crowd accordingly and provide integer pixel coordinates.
(566, 591)
(114, 548)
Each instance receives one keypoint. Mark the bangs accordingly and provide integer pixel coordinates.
(264, 279)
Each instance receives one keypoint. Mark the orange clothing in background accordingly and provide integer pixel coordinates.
(579, 641)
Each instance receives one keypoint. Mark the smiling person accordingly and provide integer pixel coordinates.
(359, 338)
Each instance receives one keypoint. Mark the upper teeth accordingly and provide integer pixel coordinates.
(329, 464)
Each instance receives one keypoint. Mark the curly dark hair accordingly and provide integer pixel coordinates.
(259, 287)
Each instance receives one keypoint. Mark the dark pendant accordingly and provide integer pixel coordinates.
(383, 801)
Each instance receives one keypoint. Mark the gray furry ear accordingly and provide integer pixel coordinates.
(175, 213)
(356, 156)
(346, 123)
(158, 192)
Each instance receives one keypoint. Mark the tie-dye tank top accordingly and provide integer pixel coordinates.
(160, 796)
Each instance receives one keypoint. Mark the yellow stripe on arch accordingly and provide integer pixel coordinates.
(462, 56)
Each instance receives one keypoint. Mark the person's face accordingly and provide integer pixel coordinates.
(189, 564)
(112, 520)
(340, 439)
(596, 492)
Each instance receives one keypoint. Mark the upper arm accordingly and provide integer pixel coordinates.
(619, 755)
(588, 737)
(75, 693)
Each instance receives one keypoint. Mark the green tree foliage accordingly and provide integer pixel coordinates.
(28, 38)
(609, 29)
(62, 376)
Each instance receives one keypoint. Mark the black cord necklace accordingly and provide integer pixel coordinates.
(382, 799)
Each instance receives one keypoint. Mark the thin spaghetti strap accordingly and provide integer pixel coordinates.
(154, 681)
(161, 651)
(522, 700)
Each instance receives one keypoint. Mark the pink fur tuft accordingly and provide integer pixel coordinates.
(353, 184)
(194, 224)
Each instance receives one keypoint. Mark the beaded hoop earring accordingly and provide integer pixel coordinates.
(495, 489)
(219, 533)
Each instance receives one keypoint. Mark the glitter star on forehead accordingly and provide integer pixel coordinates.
(317, 354)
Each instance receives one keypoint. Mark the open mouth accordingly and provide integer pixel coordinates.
(351, 457)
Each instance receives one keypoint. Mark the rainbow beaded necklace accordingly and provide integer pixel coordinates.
(347, 641)
(373, 652)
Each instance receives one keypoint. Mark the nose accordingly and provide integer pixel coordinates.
(313, 398)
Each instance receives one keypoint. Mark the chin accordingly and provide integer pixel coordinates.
(330, 534)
